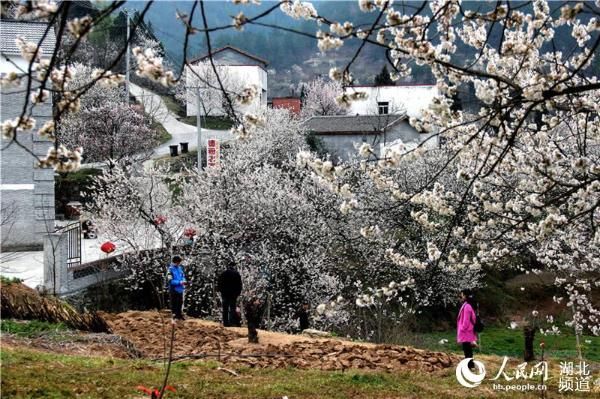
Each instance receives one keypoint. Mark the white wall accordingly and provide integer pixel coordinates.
(6, 66)
(234, 78)
(345, 146)
(410, 98)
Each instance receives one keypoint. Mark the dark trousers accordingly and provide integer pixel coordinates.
(252, 333)
(468, 351)
(176, 304)
(229, 316)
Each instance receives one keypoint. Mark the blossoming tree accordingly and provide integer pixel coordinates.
(107, 127)
(320, 99)
(527, 159)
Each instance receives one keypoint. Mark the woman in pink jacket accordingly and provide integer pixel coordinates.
(465, 325)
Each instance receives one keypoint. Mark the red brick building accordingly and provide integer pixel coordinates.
(292, 103)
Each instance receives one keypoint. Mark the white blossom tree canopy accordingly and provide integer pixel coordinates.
(526, 158)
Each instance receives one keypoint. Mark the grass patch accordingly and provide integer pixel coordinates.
(173, 106)
(179, 162)
(210, 122)
(28, 374)
(30, 328)
(164, 135)
(503, 341)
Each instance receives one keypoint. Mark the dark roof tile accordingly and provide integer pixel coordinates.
(31, 31)
(351, 123)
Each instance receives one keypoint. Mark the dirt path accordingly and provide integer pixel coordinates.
(204, 339)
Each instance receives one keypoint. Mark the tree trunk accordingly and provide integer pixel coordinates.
(529, 333)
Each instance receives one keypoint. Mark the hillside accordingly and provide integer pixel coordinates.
(294, 58)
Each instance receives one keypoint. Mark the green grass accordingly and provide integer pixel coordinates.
(173, 106)
(30, 328)
(503, 341)
(164, 135)
(32, 374)
(210, 122)
(179, 162)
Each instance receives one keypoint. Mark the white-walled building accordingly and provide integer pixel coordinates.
(27, 192)
(380, 120)
(237, 70)
(409, 99)
(342, 135)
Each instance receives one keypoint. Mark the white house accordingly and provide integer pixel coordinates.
(237, 70)
(408, 99)
(342, 135)
(27, 192)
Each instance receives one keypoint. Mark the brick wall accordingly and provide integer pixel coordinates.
(293, 104)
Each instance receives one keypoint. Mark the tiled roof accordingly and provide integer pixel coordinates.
(351, 123)
(31, 31)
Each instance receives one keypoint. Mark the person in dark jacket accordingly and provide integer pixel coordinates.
(253, 309)
(177, 282)
(230, 287)
(303, 316)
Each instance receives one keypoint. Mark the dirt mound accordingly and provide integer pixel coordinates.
(149, 332)
(21, 302)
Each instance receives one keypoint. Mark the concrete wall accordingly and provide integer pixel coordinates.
(345, 146)
(61, 280)
(411, 99)
(27, 191)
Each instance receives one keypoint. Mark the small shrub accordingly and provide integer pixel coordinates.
(9, 280)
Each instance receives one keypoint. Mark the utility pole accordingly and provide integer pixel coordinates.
(199, 127)
(127, 61)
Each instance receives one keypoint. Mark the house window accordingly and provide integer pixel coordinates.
(383, 107)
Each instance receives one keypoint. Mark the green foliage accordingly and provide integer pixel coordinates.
(30, 328)
(383, 78)
(100, 35)
(82, 176)
(4, 280)
(71, 186)
(315, 144)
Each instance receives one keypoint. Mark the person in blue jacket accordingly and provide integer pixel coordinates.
(176, 281)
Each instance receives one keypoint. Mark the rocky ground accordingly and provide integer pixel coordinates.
(137, 334)
(149, 332)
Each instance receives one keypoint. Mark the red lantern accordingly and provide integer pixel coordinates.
(160, 219)
(108, 247)
(190, 232)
